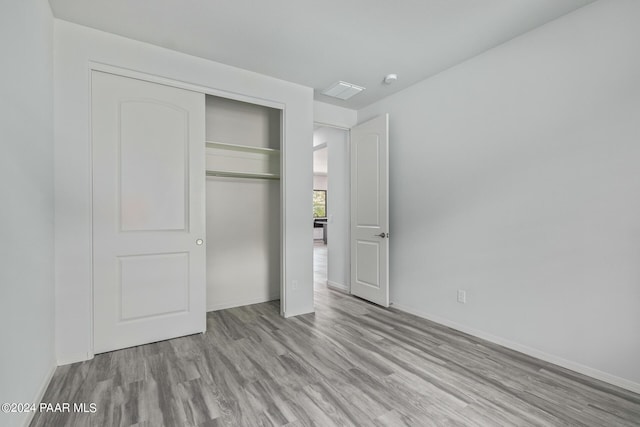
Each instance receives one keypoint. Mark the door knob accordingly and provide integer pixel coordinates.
(383, 235)
(199, 242)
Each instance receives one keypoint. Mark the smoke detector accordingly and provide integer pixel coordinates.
(390, 78)
(342, 90)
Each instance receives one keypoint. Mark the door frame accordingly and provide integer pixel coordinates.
(125, 72)
(347, 206)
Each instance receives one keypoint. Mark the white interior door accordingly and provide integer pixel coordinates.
(148, 212)
(370, 210)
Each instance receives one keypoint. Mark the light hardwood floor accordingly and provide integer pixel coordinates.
(350, 363)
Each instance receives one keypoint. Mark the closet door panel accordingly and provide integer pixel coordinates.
(152, 284)
(148, 212)
(153, 164)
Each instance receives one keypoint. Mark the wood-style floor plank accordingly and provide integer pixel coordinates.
(349, 364)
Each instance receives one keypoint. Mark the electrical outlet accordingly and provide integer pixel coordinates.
(462, 296)
(294, 285)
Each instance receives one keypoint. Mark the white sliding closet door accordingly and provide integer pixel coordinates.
(148, 212)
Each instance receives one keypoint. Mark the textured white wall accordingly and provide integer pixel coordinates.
(27, 357)
(515, 176)
(75, 48)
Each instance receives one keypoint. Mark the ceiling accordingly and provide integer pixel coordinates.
(316, 43)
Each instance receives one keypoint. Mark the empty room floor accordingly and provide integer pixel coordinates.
(350, 363)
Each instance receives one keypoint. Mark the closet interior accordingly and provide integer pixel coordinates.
(243, 203)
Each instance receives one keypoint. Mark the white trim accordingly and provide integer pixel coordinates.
(299, 312)
(91, 351)
(241, 302)
(40, 394)
(75, 358)
(126, 72)
(556, 360)
(329, 125)
(337, 286)
(283, 214)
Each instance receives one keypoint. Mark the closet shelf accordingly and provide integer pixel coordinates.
(242, 161)
(254, 175)
(245, 148)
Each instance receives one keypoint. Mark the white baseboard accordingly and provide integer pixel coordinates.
(74, 358)
(241, 302)
(568, 364)
(337, 286)
(299, 312)
(40, 394)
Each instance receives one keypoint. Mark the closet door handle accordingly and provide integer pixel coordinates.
(199, 242)
(383, 235)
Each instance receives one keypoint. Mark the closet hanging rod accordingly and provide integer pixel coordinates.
(246, 148)
(226, 174)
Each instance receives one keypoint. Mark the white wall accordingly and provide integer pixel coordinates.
(27, 357)
(328, 114)
(243, 215)
(75, 48)
(516, 177)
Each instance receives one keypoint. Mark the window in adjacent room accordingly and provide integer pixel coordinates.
(319, 203)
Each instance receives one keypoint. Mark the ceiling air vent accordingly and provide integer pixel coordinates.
(342, 90)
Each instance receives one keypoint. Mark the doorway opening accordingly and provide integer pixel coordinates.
(320, 214)
(331, 208)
